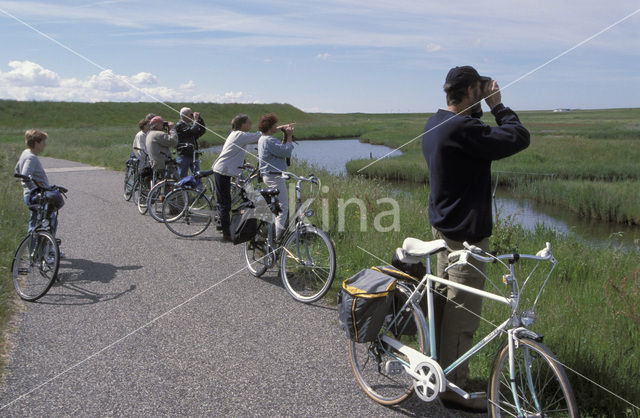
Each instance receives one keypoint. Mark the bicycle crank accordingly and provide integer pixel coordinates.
(428, 386)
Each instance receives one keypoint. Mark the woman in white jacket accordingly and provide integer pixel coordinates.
(229, 164)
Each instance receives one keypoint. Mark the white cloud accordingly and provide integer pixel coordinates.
(27, 80)
(27, 73)
(322, 57)
(190, 85)
(431, 47)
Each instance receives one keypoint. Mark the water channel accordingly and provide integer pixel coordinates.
(332, 155)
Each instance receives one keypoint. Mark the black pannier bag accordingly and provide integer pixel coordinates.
(244, 225)
(364, 302)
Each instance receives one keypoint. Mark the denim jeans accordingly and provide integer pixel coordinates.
(184, 163)
(34, 218)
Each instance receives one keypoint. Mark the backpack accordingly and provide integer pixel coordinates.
(364, 303)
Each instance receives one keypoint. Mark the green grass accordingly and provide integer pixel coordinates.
(14, 216)
(588, 313)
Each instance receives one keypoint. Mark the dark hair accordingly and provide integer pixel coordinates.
(238, 121)
(455, 95)
(34, 135)
(267, 122)
(142, 123)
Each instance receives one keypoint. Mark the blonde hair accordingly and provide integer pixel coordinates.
(33, 136)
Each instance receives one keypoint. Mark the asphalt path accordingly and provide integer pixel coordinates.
(144, 323)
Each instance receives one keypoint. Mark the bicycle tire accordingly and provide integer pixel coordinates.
(129, 181)
(156, 196)
(35, 267)
(255, 251)
(187, 212)
(538, 373)
(307, 264)
(368, 360)
(140, 191)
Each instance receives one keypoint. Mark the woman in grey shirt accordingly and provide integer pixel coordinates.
(272, 157)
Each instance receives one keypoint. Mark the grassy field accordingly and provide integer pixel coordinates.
(596, 288)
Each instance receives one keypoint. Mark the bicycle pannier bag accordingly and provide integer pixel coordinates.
(364, 302)
(244, 225)
(405, 326)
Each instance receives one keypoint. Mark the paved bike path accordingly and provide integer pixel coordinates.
(144, 323)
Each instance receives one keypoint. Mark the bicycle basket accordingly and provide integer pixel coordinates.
(244, 225)
(54, 199)
(364, 303)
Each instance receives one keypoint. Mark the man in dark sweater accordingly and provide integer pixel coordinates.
(189, 128)
(459, 149)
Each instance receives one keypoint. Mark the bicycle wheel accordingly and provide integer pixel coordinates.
(378, 367)
(256, 251)
(307, 264)
(129, 180)
(540, 383)
(35, 265)
(187, 212)
(140, 192)
(156, 196)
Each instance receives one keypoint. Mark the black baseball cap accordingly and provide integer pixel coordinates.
(464, 76)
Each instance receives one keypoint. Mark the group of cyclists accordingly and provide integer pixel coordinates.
(154, 143)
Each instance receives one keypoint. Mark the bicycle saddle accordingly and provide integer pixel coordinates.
(204, 173)
(268, 192)
(418, 248)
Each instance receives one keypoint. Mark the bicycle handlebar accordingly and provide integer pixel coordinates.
(30, 180)
(461, 256)
(289, 175)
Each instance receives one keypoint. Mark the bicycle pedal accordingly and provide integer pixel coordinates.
(393, 368)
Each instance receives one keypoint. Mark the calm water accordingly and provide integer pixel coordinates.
(332, 155)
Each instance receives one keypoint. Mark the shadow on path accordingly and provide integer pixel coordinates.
(75, 274)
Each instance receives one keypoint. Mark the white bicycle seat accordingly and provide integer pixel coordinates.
(418, 248)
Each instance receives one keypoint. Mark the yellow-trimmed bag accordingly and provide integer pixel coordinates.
(364, 302)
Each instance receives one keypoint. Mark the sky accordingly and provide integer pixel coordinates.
(333, 56)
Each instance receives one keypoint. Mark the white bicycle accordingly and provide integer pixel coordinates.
(526, 379)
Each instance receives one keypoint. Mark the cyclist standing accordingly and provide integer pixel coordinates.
(459, 148)
(160, 139)
(272, 157)
(189, 128)
(140, 139)
(229, 164)
(29, 165)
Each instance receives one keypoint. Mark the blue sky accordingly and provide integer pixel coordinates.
(328, 56)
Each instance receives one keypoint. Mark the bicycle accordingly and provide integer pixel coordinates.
(186, 210)
(130, 176)
(305, 252)
(36, 261)
(526, 379)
